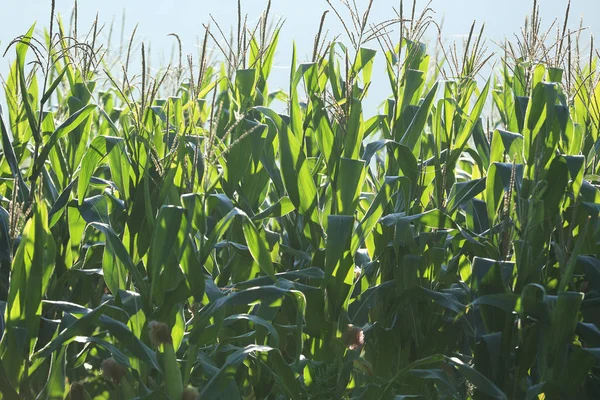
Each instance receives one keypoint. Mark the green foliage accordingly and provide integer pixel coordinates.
(181, 238)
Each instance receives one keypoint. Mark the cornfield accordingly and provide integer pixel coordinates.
(177, 236)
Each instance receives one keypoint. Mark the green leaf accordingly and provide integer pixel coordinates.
(245, 84)
(77, 328)
(462, 192)
(32, 270)
(412, 136)
(98, 149)
(431, 360)
(6, 388)
(52, 88)
(506, 143)
(117, 354)
(354, 131)
(281, 208)
(470, 123)
(64, 129)
(576, 165)
(192, 269)
(95, 209)
(446, 300)
(124, 335)
(262, 294)
(505, 302)
(55, 387)
(59, 206)
(217, 383)
(364, 62)
(375, 211)
(498, 182)
(351, 176)
(116, 248)
(5, 242)
(268, 325)
(297, 178)
(11, 159)
(21, 49)
(168, 238)
(403, 156)
(564, 320)
(432, 219)
(217, 233)
(476, 378)
(339, 263)
(258, 248)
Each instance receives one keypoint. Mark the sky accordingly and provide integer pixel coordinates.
(157, 19)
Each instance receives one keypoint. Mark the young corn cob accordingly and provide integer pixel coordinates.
(354, 337)
(190, 393)
(115, 372)
(160, 334)
(78, 392)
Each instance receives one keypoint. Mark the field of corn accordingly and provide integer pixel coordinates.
(178, 236)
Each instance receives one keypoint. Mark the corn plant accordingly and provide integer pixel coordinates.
(175, 237)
